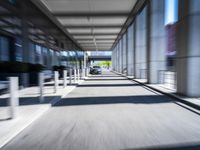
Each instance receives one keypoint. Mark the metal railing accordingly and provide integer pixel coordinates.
(168, 78)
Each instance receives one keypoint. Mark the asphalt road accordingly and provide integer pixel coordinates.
(108, 112)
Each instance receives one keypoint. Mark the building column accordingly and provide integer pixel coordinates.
(120, 57)
(188, 48)
(124, 69)
(113, 59)
(141, 44)
(130, 51)
(157, 40)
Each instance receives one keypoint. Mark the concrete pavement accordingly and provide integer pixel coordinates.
(110, 112)
(29, 110)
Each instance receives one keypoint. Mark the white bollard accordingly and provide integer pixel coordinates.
(64, 78)
(56, 81)
(70, 76)
(74, 75)
(82, 74)
(14, 97)
(78, 75)
(86, 72)
(41, 86)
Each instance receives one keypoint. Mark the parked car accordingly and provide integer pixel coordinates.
(95, 70)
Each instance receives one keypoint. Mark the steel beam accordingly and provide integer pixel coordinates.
(91, 14)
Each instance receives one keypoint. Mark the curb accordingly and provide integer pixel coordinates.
(164, 93)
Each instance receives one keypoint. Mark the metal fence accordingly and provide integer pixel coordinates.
(168, 78)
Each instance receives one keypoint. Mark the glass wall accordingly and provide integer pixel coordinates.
(38, 54)
(32, 53)
(4, 48)
(18, 50)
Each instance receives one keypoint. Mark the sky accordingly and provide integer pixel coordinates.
(171, 11)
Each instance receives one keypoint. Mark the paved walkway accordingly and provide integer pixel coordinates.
(109, 112)
(29, 109)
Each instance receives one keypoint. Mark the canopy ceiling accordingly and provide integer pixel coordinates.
(94, 24)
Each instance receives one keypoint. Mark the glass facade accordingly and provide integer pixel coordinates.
(4, 48)
(18, 50)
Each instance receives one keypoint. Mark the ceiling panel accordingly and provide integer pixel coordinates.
(89, 5)
(92, 21)
(95, 24)
(97, 41)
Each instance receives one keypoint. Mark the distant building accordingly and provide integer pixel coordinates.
(171, 39)
(171, 45)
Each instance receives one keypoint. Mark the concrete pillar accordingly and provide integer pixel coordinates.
(130, 51)
(157, 40)
(188, 48)
(114, 59)
(124, 56)
(141, 44)
(120, 57)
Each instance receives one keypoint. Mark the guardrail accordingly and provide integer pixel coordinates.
(167, 78)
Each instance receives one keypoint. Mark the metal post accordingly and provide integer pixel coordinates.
(70, 76)
(74, 75)
(64, 78)
(55, 81)
(41, 86)
(14, 97)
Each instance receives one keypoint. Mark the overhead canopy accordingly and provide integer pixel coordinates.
(94, 24)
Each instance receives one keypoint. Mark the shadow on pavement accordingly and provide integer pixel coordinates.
(102, 79)
(147, 99)
(185, 146)
(107, 85)
(30, 100)
(96, 76)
